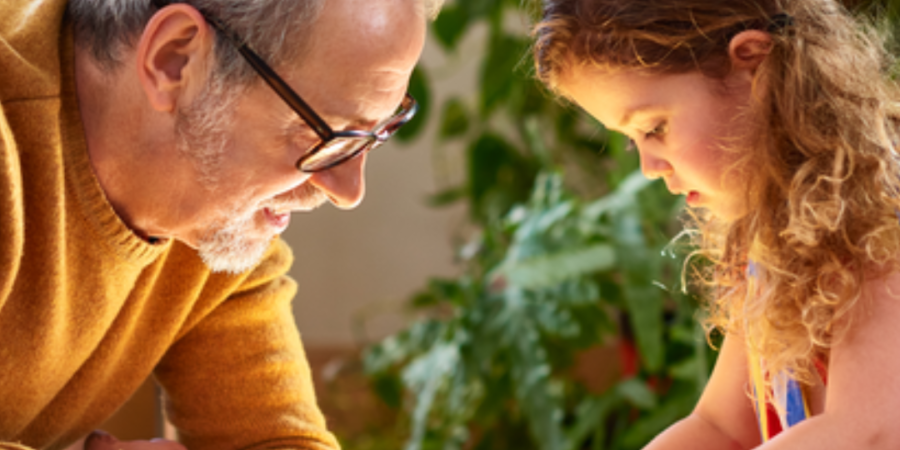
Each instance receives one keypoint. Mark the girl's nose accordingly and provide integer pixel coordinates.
(653, 167)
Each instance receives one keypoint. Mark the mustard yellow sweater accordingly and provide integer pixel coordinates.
(88, 310)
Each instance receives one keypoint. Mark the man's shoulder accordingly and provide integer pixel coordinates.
(12, 220)
(271, 269)
(30, 48)
(184, 263)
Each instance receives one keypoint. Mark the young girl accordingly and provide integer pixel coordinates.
(778, 122)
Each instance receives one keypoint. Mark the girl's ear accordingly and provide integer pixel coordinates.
(748, 49)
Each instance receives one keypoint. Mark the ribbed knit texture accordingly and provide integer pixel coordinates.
(88, 310)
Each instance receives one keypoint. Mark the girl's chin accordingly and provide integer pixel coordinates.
(728, 213)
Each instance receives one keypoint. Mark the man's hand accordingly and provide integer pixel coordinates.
(99, 440)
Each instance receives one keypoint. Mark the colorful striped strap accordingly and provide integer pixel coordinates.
(788, 405)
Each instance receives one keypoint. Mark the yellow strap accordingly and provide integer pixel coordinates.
(805, 392)
(759, 393)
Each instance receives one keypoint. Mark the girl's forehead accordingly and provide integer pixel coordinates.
(609, 95)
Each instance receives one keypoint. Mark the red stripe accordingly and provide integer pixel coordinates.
(774, 420)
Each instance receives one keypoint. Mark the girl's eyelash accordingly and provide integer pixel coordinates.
(657, 131)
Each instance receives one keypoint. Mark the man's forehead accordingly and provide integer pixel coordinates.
(370, 90)
(362, 112)
(365, 31)
(357, 65)
(350, 106)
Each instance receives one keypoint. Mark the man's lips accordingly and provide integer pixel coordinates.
(277, 219)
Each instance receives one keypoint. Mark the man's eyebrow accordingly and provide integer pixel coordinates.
(360, 122)
(339, 124)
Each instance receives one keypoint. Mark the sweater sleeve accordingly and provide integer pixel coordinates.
(12, 221)
(239, 379)
(11, 446)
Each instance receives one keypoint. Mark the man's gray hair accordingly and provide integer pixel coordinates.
(109, 27)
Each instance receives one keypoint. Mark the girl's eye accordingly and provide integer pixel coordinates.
(658, 131)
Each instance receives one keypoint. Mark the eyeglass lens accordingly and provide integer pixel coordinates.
(334, 152)
(341, 148)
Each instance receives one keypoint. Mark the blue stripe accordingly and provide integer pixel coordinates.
(796, 413)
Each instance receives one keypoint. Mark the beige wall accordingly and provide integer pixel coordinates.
(367, 261)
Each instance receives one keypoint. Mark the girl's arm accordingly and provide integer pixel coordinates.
(724, 417)
(862, 406)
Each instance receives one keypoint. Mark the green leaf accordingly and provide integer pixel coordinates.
(424, 376)
(454, 119)
(498, 176)
(534, 137)
(389, 389)
(546, 271)
(447, 197)
(538, 395)
(686, 369)
(481, 8)
(649, 426)
(425, 298)
(623, 197)
(420, 89)
(450, 25)
(590, 417)
(555, 321)
(645, 310)
(396, 349)
(626, 162)
(637, 393)
(498, 70)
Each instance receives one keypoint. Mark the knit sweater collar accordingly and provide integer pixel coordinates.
(81, 179)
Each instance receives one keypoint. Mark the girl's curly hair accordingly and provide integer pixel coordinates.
(825, 176)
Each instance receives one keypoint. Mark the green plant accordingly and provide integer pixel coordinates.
(555, 269)
(488, 367)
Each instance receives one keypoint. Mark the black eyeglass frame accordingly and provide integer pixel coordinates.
(368, 139)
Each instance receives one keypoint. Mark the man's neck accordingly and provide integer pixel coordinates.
(131, 149)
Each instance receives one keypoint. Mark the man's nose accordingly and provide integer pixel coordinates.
(654, 167)
(344, 184)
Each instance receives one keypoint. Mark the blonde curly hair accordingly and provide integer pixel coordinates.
(822, 129)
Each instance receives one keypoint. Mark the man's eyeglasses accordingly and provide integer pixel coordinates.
(334, 147)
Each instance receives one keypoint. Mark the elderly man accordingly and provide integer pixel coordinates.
(150, 153)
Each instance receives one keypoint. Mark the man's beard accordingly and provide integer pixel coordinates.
(229, 244)
(232, 246)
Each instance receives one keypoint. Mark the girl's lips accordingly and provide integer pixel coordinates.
(278, 221)
(693, 197)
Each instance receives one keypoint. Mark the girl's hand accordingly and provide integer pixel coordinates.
(99, 440)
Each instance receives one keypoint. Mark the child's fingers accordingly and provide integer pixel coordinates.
(99, 440)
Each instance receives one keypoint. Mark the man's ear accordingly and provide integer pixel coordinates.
(748, 49)
(172, 55)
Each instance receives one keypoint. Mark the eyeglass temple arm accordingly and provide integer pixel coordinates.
(286, 93)
(268, 75)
